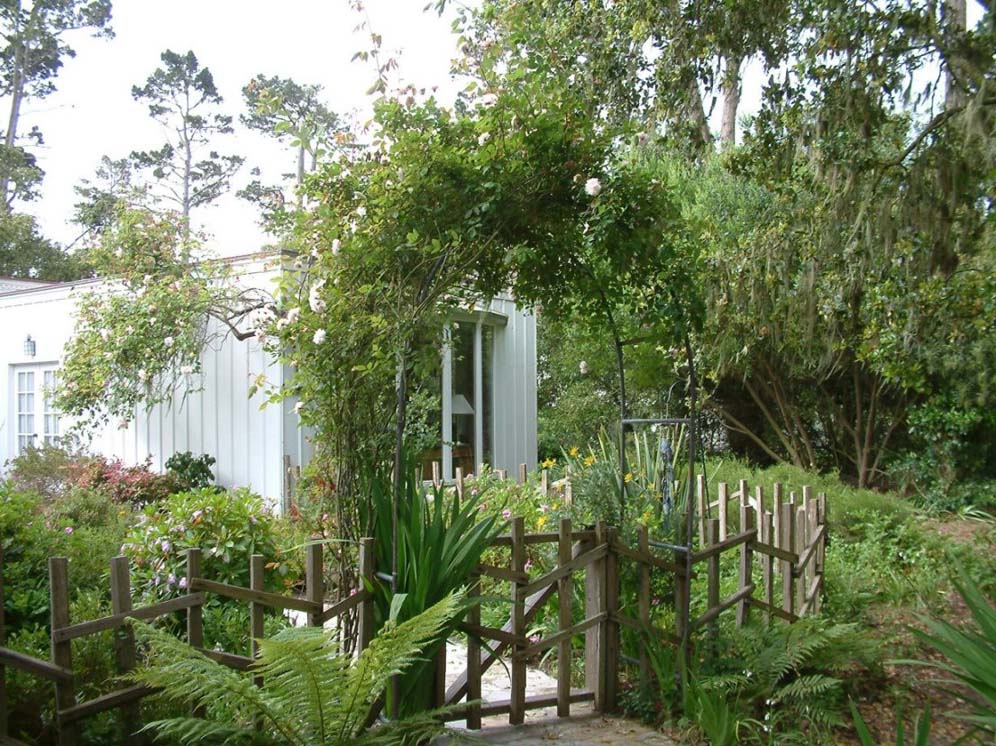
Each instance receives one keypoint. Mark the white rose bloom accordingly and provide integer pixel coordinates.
(293, 314)
(298, 407)
(186, 369)
(315, 298)
(319, 336)
(593, 187)
(488, 100)
(261, 336)
(142, 375)
(168, 341)
(483, 138)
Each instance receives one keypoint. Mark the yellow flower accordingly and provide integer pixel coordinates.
(548, 463)
(589, 460)
(574, 451)
(541, 521)
(555, 506)
(628, 478)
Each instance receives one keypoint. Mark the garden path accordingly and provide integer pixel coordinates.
(583, 728)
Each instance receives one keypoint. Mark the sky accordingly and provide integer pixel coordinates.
(92, 113)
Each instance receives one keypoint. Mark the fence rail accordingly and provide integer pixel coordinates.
(780, 561)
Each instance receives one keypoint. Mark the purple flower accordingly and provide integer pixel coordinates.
(68, 530)
(171, 579)
(506, 514)
(165, 545)
(529, 565)
(182, 584)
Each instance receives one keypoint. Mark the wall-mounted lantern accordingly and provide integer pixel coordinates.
(29, 347)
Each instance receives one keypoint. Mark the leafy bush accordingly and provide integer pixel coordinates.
(786, 676)
(191, 472)
(136, 485)
(229, 527)
(52, 471)
(81, 526)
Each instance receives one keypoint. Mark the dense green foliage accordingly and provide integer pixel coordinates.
(312, 694)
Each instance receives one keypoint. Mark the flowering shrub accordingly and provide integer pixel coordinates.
(229, 527)
(53, 472)
(136, 485)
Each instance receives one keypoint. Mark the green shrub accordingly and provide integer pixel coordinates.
(228, 527)
(81, 526)
(191, 472)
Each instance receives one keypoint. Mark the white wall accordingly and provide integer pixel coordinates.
(248, 443)
(221, 419)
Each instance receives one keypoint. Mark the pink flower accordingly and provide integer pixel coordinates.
(529, 565)
(68, 530)
(506, 514)
(165, 545)
(182, 584)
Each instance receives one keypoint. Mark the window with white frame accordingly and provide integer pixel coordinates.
(34, 406)
(25, 383)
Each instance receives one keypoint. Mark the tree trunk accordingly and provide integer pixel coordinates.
(731, 101)
(697, 116)
(955, 24)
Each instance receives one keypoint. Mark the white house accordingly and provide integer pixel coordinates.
(488, 392)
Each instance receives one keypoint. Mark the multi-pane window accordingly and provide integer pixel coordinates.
(25, 409)
(37, 420)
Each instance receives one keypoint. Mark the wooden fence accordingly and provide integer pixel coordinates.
(779, 572)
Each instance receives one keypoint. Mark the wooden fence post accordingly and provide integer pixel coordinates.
(611, 622)
(643, 600)
(722, 489)
(601, 629)
(787, 542)
(523, 473)
(365, 620)
(517, 699)
(800, 544)
(314, 582)
(256, 620)
(593, 581)
(747, 522)
(474, 656)
(564, 598)
(821, 520)
(767, 563)
(776, 517)
(62, 652)
(702, 503)
(458, 480)
(712, 569)
(124, 646)
(195, 614)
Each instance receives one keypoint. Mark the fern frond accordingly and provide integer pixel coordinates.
(395, 648)
(805, 687)
(191, 730)
(205, 683)
(300, 667)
